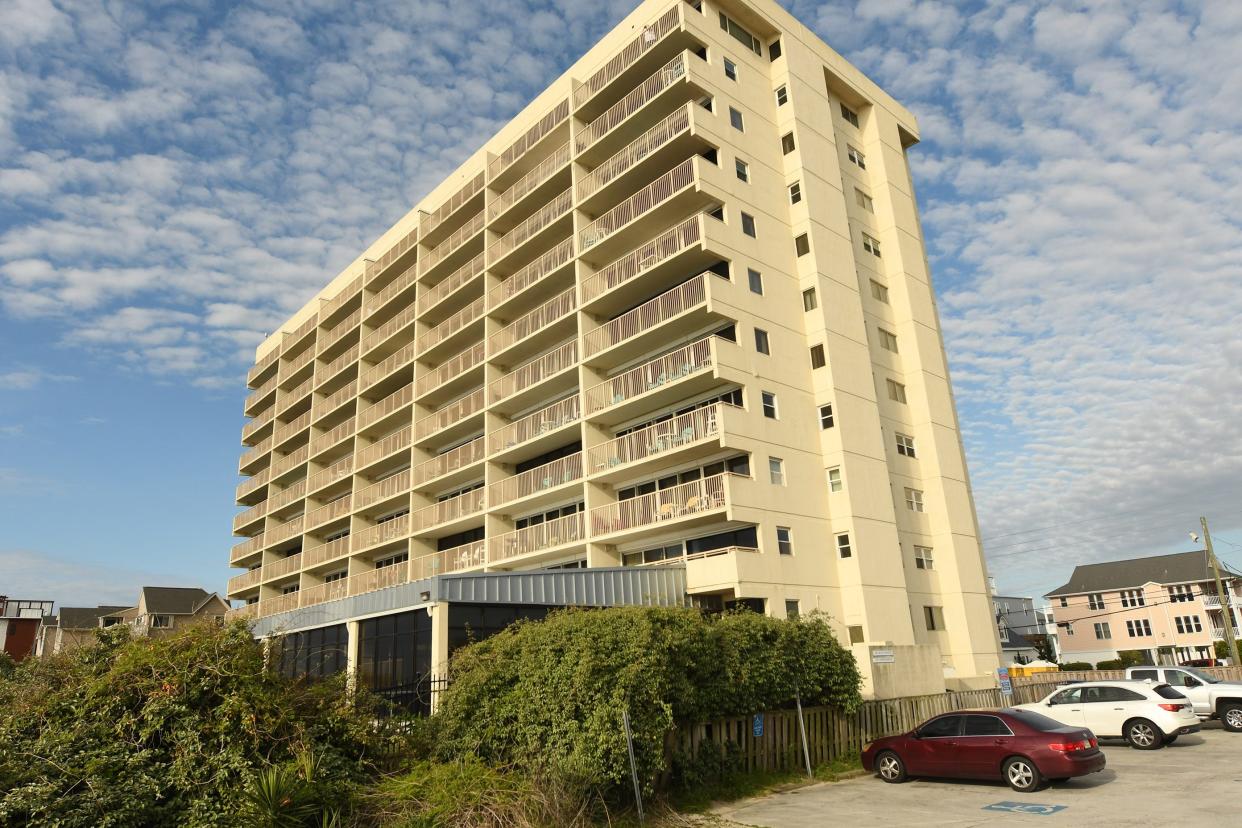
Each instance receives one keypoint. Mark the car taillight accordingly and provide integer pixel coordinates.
(1172, 708)
(1071, 747)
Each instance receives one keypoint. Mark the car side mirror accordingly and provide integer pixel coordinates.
(1049, 703)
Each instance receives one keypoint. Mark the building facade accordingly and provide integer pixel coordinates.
(676, 314)
(1018, 623)
(1166, 607)
(159, 611)
(20, 621)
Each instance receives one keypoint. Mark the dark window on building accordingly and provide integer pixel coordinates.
(394, 658)
(802, 245)
(311, 653)
(787, 143)
(817, 356)
(774, 49)
(748, 225)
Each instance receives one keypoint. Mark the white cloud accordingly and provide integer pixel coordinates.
(23, 379)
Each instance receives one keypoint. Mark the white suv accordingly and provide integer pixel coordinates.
(1148, 716)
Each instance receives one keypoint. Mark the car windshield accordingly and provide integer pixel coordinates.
(1201, 676)
(1035, 720)
(1167, 692)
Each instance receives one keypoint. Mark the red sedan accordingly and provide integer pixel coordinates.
(1024, 748)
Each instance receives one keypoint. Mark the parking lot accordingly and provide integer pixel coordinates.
(1196, 781)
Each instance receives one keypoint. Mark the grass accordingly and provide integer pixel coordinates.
(745, 786)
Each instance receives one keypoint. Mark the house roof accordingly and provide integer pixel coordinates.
(80, 618)
(1179, 568)
(174, 600)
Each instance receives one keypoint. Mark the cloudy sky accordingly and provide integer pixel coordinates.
(176, 178)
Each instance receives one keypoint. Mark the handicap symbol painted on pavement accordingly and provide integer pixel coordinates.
(1025, 808)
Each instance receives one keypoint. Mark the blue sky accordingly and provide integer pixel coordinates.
(176, 178)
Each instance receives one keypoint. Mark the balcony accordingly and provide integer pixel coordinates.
(1218, 633)
(286, 433)
(328, 512)
(453, 374)
(721, 570)
(386, 489)
(438, 295)
(251, 457)
(259, 395)
(396, 401)
(331, 404)
(282, 568)
(618, 69)
(450, 515)
(656, 144)
(329, 307)
(324, 478)
(391, 291)
(243, 612)
(658, 443)
(457, 559)
(459, 459)
(249, 517)
(262, 366)
(381, 578)
(279, 500)
(292, 340)
(549, 538)
(464, 197)
(283, 532)
(557, 261)
(546, 480)
(546, 220)
(386, 367)
(279, 603)
(507, 163)
(385, 448)
(674, 375)
(294, 367)
(454, 329)
(390, 531)
(330, 371)
(381, 335)
(252, 428)
(534, 433)
(334, 335)
(517, 387)
(249, 487)
(456, 418)
(322, 593)
(688, 503)
(404, 245)
(449, 249)
(245, 549)
(325, 553)
(246, 580)
(1211, 601)
(542, 320)
(286, 400)
(630, 334)
(689, 246)
(530, 187)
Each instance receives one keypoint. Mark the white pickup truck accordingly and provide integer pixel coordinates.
(1211, 697)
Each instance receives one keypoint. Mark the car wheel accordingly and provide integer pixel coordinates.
(1022, 775)
(1143, 735)
(890, 767)
(1231, 717)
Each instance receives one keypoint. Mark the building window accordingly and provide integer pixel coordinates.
(809, 301)
(856, 634)
(769, 404)
(761, 341)
(1095, 601)
(843, 545)
(826, 419)
(791, 609)
(1102, 630)
(856, 156)
(782, 95)
(787, 143)
(776, 471)
(774, 49)
(802, 245)
(1139, 629)
(835, 484)
(934, 616)
(923, 558)
(735, 118)
(871, 245)
(161, 622)
(905, 445)
(740, 34)
(896, 391)
(849, 114)
(755, 279)
(1133, 598)
(717, 213)
(730, 69)
(289, 590)
(864, 200)
(1064, 602)
(818, 360)
(1188, 624)
(878, 291)
(914, 500)
(1183, 592)
(743, 170)
(335, 576)
(748, 225)
(795, 192)
(888, 340)
(784, 540)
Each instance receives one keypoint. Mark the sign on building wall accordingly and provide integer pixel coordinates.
(1006, 685)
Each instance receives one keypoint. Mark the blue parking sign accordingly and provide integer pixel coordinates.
(1006, 685)
(756, 725)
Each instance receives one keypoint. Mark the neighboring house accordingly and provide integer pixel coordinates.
(19, 625)
(76, 626)
(1165, 606)
(159, 609)
(1017, 623)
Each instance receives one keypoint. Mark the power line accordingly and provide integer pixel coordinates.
(1145, 605)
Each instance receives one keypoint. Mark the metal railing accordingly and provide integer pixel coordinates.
(290, 461)
(255, 483)
(642, 202)
(332, 336)
(292, 428)
(454, 203)
(307, 325)
(242, 612)
(691, 498)
(532, 425)
(683, 362)
(558, 206)
(388, 487)
(246, 547)
(395, 401)
(391, 444)
(326, 477)
(289, 529)
(461, 506)
(450, 369)
(286, 399)
(446, 416)
(450, 245)
(664, 246)
(288, 369)
(265, 362)
(658, 438)
(279, 603)
(389, 365)
(325, 552)
(556, 308)
(645, 317)
(528, 139)
(383, 332)
(333, 436)
(390, 530)
(406, 242)
(339, 364)
(284, 566)
(635, 151)
(548, 476)
(450, 326)
(250, 515)
(457, 559)
(279, 500)
(441, 290)
(408, 277)
(259, 393)
(330, 306)
(385, 576)
(664, 77)
(619, 62)
(456, 458)
(258, 423)
(322, 593)
(261, 448)
(524, 185)
(329, 512)
(346, 393)
(244, 580)
(531, 273)
(535, 371)
(553, 533)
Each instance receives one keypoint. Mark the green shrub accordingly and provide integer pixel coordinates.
(1132, 658)
(1111, 664)
(1070, 666)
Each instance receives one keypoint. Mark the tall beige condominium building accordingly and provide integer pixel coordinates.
(670, 332)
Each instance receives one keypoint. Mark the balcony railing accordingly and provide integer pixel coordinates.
(664, 246)
(643, 201)
(330, 337)
(454, 508)
(639, 97)
(259, 393)
(260, 449)
(328, 512)
(527, 183)
(395, 401)
(450, 326)
(246, 547)
(436, 294)
(635, 151)
(650, 36)
(531, 273)
(337, 365)
(290, 338)
(335, 400)
(408, 277)
(553, 533)
(548, 476)
(535, 371)
(548, 213)
(390, 530)
(389, 365)
(383, 332)
(450, 245)
(279, 500)
(658, 438)
(250, 515)
(682, 362)
(1211, 601)
(325, 552)
(330, 306)
(391, 444)
(647, 316)
(255, 483)
(326, 477)
(556, 308)
(283, 532)
(322, 593)
(282, 567)
(292, 428)
(258, 423)
(244, 580)
(388, 487)
(333, 436)
(381, 578)
(453, 204)
(449, 370)
(457, 559)
(454, 412)
(279, 603)
(290, 461)
(464, 455)
(681, 501)
(531, 426)
(518, 148)
(286, 399)
(395, 252)
(266, 361)
(243, 612)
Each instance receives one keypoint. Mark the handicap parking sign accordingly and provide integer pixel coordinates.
(756, 726)
(1025, 808)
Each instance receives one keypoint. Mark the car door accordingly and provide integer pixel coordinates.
(1065, 707)
(1107, 709)
(934, 750)
(985, 742)
(1190, 687)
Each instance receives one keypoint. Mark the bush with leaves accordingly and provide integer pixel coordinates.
(178, 730)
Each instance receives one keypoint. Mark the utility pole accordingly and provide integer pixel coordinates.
(1225, 597)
